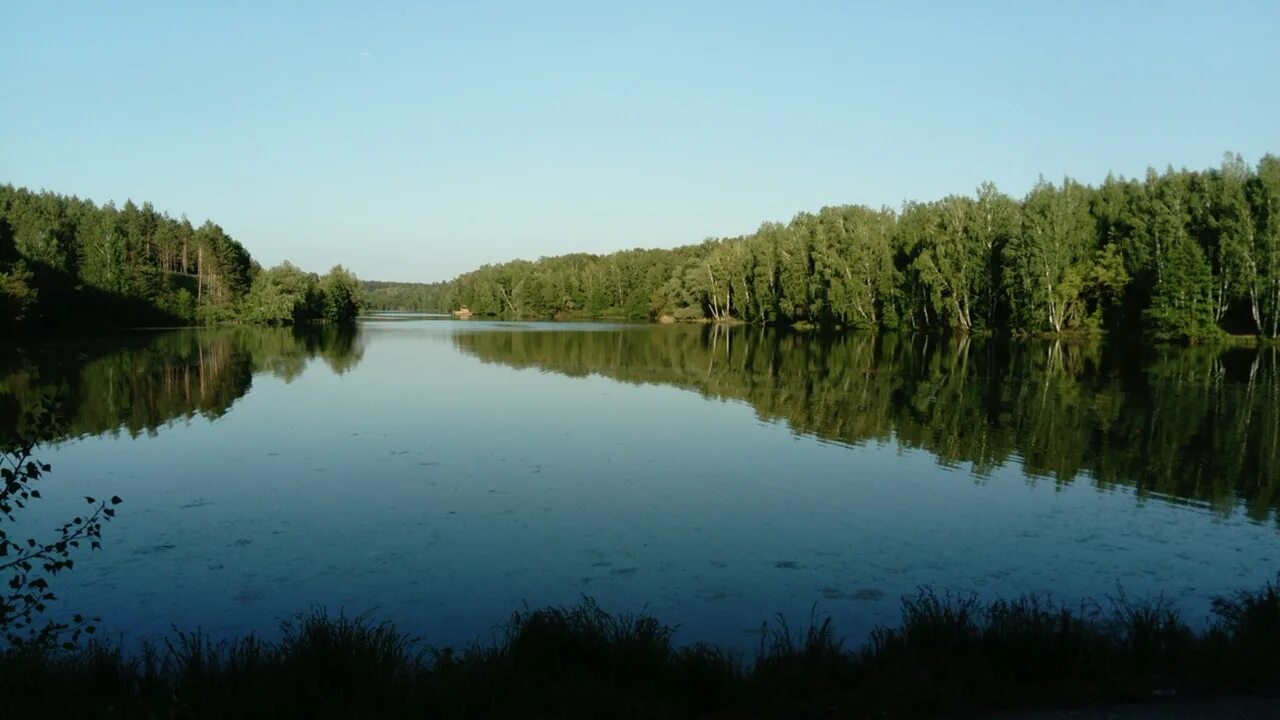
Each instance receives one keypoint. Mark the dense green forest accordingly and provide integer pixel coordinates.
(1175, 255)
(1178, 254)
(420, 297)
(1198, 423)
(66, 262)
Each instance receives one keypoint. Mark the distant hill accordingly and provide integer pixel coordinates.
(419, 297)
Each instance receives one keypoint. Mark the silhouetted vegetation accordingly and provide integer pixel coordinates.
(29, 565)
(1198, 423)
(68, 263)
(949, 654)
(1176, 255)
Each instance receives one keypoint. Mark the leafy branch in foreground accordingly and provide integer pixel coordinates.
(30, 564)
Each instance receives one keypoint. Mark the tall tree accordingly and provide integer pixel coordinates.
(1047, 262)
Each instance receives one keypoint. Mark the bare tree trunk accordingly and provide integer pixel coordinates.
(1253, 309)
(715, 308)
(507, 299)
(1275, 310)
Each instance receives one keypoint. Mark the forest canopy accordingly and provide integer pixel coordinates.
(67, 262)
(1178, 254)
(420, 297)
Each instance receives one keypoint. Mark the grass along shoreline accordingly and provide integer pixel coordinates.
(950, 654)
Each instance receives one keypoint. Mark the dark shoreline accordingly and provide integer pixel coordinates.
(950, 655)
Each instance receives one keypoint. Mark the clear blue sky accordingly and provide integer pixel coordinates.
(415, 141)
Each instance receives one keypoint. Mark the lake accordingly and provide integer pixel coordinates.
(442, 474)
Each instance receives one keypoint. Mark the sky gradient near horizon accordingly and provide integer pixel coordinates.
(415, 141)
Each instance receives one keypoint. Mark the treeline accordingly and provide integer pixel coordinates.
(1179, 254)
(419, 297)
(66, 262)
(1199, 423)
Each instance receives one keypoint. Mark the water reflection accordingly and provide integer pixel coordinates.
(1192, 424)
(1180, 423)
(472, 486)
(140, 382)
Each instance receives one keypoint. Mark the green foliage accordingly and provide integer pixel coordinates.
(17, 297)
(419, 297)
(1263, 191)
(341, 296)
(283, 295)
(1182, 304)
(1177, 255)
(952, 251)
(1048, 261)
(67, 262)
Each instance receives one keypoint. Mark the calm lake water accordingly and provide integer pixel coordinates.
(441, 474)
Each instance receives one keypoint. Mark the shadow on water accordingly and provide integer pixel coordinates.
(1191, 424)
